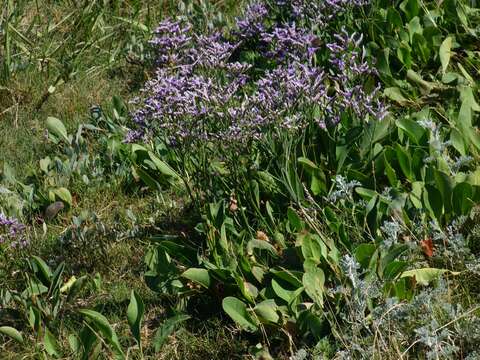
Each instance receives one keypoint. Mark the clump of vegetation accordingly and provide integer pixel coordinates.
(303, 174)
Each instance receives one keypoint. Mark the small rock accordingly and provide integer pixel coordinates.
(53, 209)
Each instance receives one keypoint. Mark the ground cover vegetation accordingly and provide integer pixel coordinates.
(282, 179)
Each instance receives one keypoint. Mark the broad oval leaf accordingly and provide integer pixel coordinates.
(56, 127)
(314, 281)
(266, 311)
(64, 194)
(199, 276)
(237, 310)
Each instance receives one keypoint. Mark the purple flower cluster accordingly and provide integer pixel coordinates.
(290, 42)
(171, 41)
(349, 68)
(251, 24)
(202, 92)
(12, 232)
(321, 12)
(211, 51)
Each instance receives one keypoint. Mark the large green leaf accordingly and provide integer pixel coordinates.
(313, 248)
(461, 198)
(444, 185)
(424, 276)
(106, 330)
(266, 311)
(64, 194)
(314, 281)
(161, 166)
(237, 310)
(412, 128)
(11, 333)
(405, 161)
(395, 94)
(50, 343)
(44, 272)
(282, 293)
(56, 127)
(135, 312)
(445, 53)
(199, 276)
(432, 198)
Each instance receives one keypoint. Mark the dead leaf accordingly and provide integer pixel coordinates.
(262, 236)
(427, 246)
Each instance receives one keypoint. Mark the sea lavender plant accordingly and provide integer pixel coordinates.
(202, 93)
(12, 232)
(171, 41)
(289, 42)
(251, 24)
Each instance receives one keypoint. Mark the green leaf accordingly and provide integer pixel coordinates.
(64, 194)
(426, 275)
(11, 333)
(393, 269)
(266, 311)
(458, 142)
(282, 293)
(314, 281)
(445, 53)
(444, 185)
(237, 310)
(147, 178)
(135, 312)
(166, 329)
(44, 164)
(363, 254)
(405, 161)
(105, 329)
(199, 276)
(262, 245)
(412, 128)
(411, 8)
(56, 127)
(294, 220)
(465, 115)
(414, 27)
(74, 343)
(366, 194)
(395, 94)
(461, 198)
(307, 164)
(161, 166)
(390, 172)
(50, 343)
(39, 265)
(433, 201)
(292, 277)
(394, 18)
(75, 288)
(313, 248)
